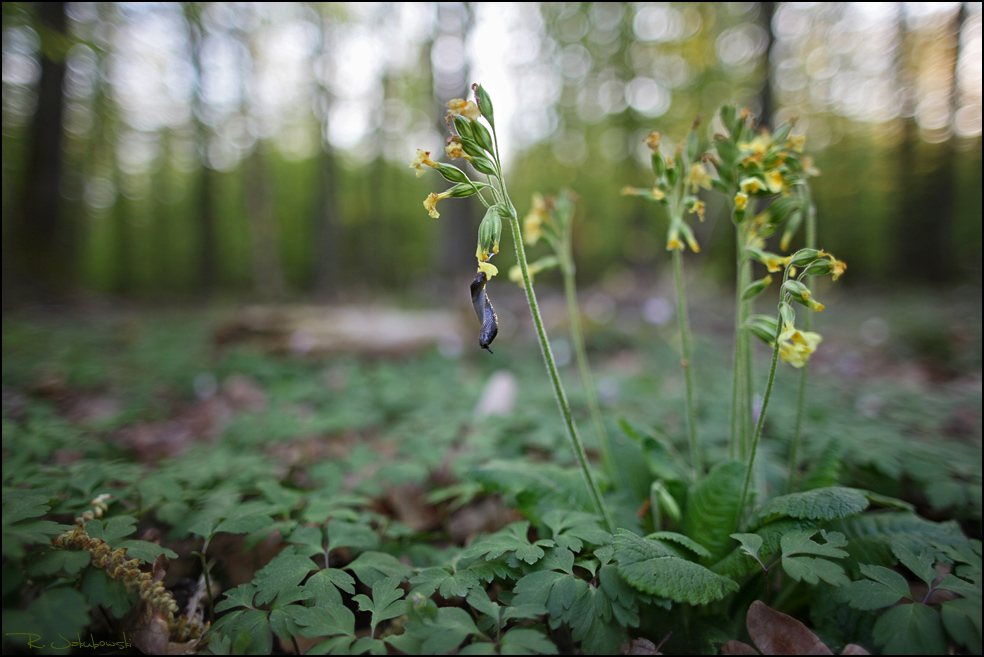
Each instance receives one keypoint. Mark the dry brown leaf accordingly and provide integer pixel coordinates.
(854, 649)
(737, 648)
(775, 633)
(640, 647)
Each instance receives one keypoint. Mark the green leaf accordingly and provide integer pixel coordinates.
(867, 595)
(56, 613)
(455, 625)
(827, 468)
(19, 505)
(17, 537)
(871, 536)
(284, 573)
(145, 551)
(112, 530)
(811, 570)
(549, 588)
(652, 567)
(526, 641)
(571, 529)
(712, 507)
(738, 563)
(370, 567)
(386, 601)
(99, 589)
(511, 538)
(962, 619)
(750, 545)
(920, 563)
(680, 539)
(801, 542)
(328, 619)
(351, 535)
(54, 561)
(912, 629)
(241, 596)
(819, 504)
(340, 645)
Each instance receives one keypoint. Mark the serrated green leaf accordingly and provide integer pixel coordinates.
(871, 536)
(459, 584)
(53, 561)
(820, 504)
(343, 534)
(427, 581)
(812, 570)
(712, 507)
(680, 539)
(99, 589)
(826, 469)
(961, 586)
(511, 538)
(57, 612)
(653, 568)
(962, 619)
(888, 578)
(284, 572)
(112, 530)
(17, 537)
(19, 505)
(912, 629)
(920, 563)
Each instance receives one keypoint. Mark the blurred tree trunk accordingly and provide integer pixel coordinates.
(927, 178)
(768, 12)
(207, 234)
(268, 274)
(458, 216)
(41, 252)
(326, 212)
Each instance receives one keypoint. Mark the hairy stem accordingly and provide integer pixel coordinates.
(577, 337)
(688, 371)
(565, 408)
(811, 239)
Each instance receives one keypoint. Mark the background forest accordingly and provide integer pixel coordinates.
(261, 149)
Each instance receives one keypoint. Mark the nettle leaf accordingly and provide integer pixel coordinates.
(884, 588)
(680, 539)
(712, 507)
(284, 573)
(819, 504)
(511, 538)
(324, 585)
(872, 536)
(386, 601)
(962, 619)
(654, 567)
(912, 629)
(370, 567)
(571, 529)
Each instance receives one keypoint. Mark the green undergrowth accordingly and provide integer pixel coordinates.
(348, 505)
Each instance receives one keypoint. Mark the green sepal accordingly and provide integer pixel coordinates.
(763, 327)
(756, 288)
(483, 137)
(484, 104)
(451, 173)
(464, 189)
(483, 165)
(463, 126)
(659, 166)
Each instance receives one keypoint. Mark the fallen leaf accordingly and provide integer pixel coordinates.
(737, 648)
(775, 633)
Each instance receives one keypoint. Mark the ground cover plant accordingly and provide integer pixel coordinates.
(345, 506)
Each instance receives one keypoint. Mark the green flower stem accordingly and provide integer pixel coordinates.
(695, 457)
(741, 395)
(811, 243)
(765, 406)
(565, 408)
(577, 337)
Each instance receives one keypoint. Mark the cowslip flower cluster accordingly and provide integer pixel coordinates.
(678, 180)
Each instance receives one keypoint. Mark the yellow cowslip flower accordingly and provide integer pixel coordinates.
(652, 141)
(759, 145)
(809, 168)
(534, 221)
(430, 203)
(489, 269)
(741, 200)
(465, 108)
(455, 151)
(423, 158)
(795, 143)
(773, 180)
(698, 208)
(752, 184)
(839, 268)
(698, 178)
(658, 194)
(795, 346)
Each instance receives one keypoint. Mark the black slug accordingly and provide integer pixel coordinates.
(485, 312)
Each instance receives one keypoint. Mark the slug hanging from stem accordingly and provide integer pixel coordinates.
(485, 312)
